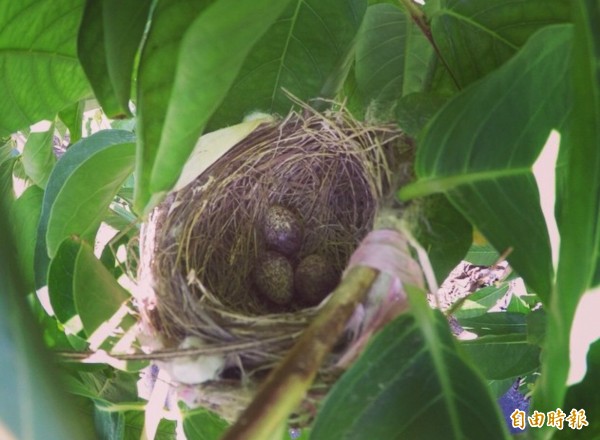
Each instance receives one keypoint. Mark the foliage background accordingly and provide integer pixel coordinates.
(480, 84)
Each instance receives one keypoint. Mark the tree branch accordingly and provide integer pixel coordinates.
(285, 388)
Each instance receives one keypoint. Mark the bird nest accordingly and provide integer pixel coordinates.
(203, 246)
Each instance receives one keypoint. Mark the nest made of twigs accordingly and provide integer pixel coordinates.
(201, 245)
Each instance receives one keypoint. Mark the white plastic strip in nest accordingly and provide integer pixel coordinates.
(212, 146)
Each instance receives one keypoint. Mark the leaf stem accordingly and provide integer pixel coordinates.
(421, 20)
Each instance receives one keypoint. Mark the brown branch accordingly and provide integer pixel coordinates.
(421, 20)
(285, 388)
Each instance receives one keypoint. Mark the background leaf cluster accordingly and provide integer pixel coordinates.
(480, 85)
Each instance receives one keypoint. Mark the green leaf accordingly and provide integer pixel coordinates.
(579, 205)
(415, 110)
(38, 158)
(392, 57)
(38, 64)
(109, 38)
(480, 149)
(206, 50)
(583, 396)
(106, 387)
(307, 52)
(85, 180)
(97, 294)
(60, 280)
(203, 425)
(496, 323)
(480, 302)
(503, 356)
(24, 216)
(536, 327)
(134, 427)
(476, 37)
(410, 382)
(110, 425)
(482, 255)
(72, 117)
(91, 50)
(156, 74)
(517, 305)
(83, 184)
(32, 403)
(442, 231)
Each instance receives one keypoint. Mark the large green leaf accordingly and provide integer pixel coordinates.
(583, 395)
(410, 382)
(442, 231)
(60, 280)
(97, 294)
(72, 117)
(156, 74)
(83, 184)
(579, 205)
(109, 38)
(24, 217)
(307, 52)
(182, 83)
(38, 63)
(203, 425)
(38, 158)
(474, 37)
(32, 403)
(80, 189)
(503, 356)
(480, 150)
(496, 323)
(393, 57)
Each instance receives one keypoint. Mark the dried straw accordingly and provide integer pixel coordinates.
(201, 245)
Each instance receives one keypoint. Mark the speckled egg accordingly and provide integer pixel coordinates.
(314, 279)
(283, 230)
(274, 278)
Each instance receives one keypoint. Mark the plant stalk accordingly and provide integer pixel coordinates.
(287, 384)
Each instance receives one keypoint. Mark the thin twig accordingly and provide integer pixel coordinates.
(421, 20)
(170, 354)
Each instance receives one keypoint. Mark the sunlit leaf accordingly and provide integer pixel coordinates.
(410, 382)
(60, 280)
(480, 302)
(496, 323)
(582, 396)
(24, 217)
(97, 294)
(482, 255)
(503, 356)
(32, 402)
(181, 84)
(475, 37)
(480, 149)
(72, 117)
(38, 158)
(203, 425)
(579, 205)
(109, 38)
(307, 52)
(38, 64)
(393, 57)
(83, 184)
